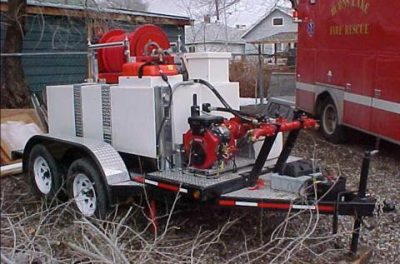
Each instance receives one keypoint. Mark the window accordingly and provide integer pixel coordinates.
(277, 21)
(192, 49)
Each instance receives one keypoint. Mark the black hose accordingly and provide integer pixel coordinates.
(212, 88)
(222, 100)
(165, 79)
(221, 109)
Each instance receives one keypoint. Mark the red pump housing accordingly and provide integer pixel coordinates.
(211, 140)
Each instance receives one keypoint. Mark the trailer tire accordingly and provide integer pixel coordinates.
(44, 173)
(330, 128)
(86, 187)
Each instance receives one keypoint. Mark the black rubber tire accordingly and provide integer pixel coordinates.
(54, 170)
(85, 166)
(332, 132)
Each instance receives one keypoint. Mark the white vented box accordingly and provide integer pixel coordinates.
(60, 109)
(210, 66)
(139, 113)
(133, 120)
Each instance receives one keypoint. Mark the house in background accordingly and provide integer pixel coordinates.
(275, 32)
(55, 39)
(215, 36)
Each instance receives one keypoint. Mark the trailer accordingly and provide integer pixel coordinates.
(139, 127)
(349, 66)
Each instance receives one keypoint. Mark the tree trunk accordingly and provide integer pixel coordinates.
(14, 89)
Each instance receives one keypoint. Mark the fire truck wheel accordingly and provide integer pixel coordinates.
(85, 186)
(330, 128)
(44, 173)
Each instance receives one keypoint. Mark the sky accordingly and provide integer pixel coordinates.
(246, 12)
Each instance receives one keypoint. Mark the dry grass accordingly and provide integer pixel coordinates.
(33, 231)
(58, 234)
(245, 72)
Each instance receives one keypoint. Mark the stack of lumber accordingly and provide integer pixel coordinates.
(17, 126)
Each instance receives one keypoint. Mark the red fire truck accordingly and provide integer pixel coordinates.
(348, 70)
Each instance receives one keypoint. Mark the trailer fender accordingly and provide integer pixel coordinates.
(105, 157)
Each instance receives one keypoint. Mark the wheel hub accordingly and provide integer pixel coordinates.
(330, 119)
(42, 175)
(84, 194)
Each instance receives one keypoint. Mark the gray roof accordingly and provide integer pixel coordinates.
(67, 2)
(92, 6)
(212, 33)
(281, 37)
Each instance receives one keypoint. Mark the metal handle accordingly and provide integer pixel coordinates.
(377, 93)
(106, 45)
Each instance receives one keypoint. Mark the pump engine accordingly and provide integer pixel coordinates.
(209, 142)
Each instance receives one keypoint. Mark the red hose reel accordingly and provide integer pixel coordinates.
(146, 44)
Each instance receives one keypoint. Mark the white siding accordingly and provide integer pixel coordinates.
(265, 28)
(219, 47)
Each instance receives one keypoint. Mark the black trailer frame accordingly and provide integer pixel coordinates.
(235, 189)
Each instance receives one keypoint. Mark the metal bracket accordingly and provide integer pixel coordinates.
(252, 178)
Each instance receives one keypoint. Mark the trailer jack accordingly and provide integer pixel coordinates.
(359, 204)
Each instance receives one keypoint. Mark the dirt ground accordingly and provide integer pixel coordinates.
(36, 232)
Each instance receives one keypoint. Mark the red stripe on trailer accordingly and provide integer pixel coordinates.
(282, 206)
(139, 179)
(326, 208)
(226, 203)
(274, 205)
(160, 185)
(168, 187)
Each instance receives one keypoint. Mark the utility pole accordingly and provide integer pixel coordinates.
(226, 27)
(217, 8)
